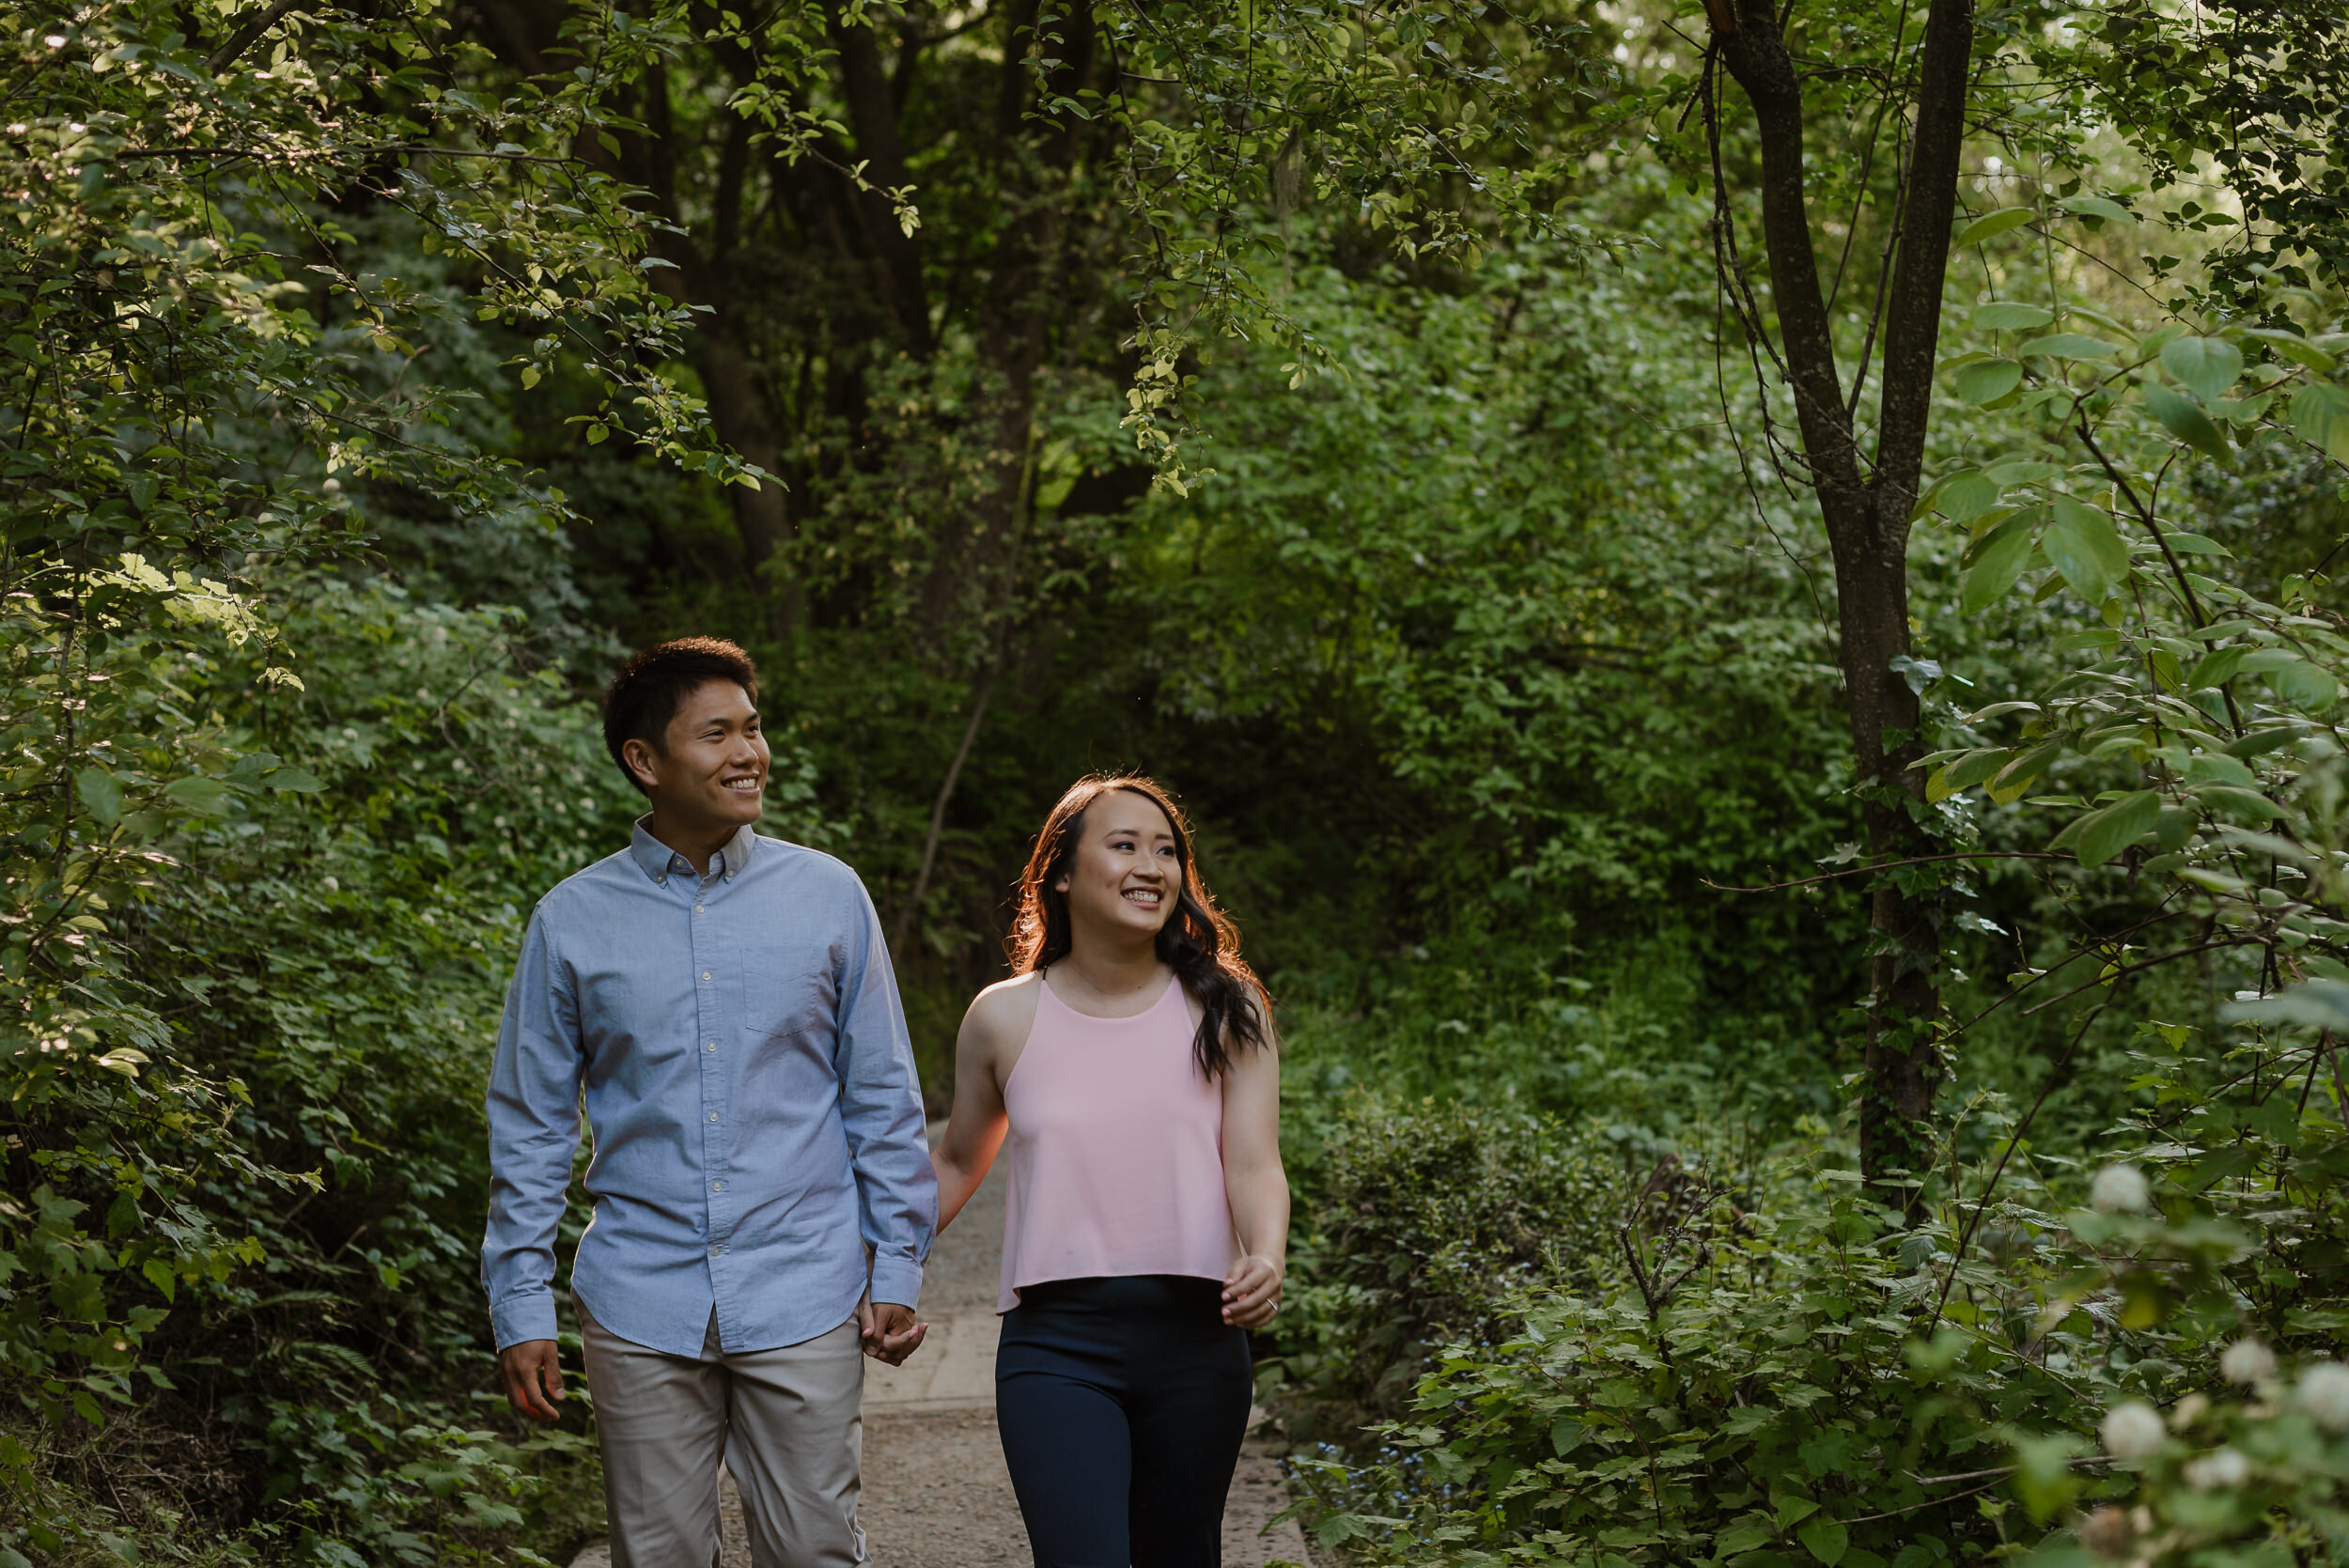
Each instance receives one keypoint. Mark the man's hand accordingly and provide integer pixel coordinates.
(889, 1331)
(533, 1377)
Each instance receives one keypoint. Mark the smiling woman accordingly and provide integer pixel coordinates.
(1130, 1068)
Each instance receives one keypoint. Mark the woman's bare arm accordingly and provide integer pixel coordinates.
(993, 1034)
(1256, 1185)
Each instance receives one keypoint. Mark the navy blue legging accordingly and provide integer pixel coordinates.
(1122, 1404)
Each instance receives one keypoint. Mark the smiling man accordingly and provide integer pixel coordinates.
(722, 1005)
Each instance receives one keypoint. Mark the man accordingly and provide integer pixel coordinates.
(724, 1005)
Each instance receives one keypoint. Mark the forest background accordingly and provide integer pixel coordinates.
(1433, 439)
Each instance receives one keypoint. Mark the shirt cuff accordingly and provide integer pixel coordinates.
(524, 1317)
(897, 1281)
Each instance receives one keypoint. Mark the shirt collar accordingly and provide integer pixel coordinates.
(657, 860)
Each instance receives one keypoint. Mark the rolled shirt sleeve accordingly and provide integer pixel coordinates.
(533, 1133)
(880, 1109)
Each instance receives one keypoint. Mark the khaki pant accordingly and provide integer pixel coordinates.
(788, 1422)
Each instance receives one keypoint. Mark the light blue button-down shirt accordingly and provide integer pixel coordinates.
(739, 1045)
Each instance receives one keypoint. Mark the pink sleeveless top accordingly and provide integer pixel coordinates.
(1116, 1150)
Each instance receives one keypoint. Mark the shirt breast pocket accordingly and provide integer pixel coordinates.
(788, 991)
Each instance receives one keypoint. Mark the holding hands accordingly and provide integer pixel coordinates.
(888, 1330)
(1252, 1292)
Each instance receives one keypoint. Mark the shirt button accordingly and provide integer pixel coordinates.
(717, 1186)
(715, 1251)
(705, 974)
(697, 909)
(713, 1115)
(712, 1046)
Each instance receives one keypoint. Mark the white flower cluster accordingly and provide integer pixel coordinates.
(2121, 1189)
(2248, 1361)
(2133, 1430)
(2324, 1395)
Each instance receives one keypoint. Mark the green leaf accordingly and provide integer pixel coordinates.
(1826, 1539)
(2218, 767)
(2016, 776)
(1966, 772)
(2182, 419)
(2321, 414)
(1986, 381)
(2258, 743)
(1999, 560)
(2206, 367)
(2102, 834)
(2197, 544)
(2068, 346)
(2293, 347)
(194, 793)
(2097, 207)
(2304, 686)
(300, 780)
(2239, 805)
(2217, 667)
(1993, 224)
(1965, 496)
(101, 794)
(2085, 547)
(2009, 316)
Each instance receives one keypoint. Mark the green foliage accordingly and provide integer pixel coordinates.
(1780, 1373)
(1426, 1217)
(255, 918)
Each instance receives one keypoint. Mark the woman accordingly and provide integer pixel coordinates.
(1132, 1062)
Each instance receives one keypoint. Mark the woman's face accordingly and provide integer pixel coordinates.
(1125, 874)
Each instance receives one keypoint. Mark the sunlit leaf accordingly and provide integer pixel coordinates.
(1986, 381)
(1993, 224)
(2096, 206)
(2009, 316)
(2068, 346)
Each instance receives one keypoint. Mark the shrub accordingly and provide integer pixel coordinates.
(1427, 1218)
(1817, 1383)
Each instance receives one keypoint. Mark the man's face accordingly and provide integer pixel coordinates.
(711, 769)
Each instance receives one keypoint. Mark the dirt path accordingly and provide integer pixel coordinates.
(935, 1493)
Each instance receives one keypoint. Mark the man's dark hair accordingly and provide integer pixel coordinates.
(645, 697)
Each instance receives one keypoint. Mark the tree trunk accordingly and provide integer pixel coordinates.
(1866, 513)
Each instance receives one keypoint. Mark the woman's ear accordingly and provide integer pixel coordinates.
(1061, 887)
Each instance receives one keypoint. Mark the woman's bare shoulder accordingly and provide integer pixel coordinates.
(1005, 1010)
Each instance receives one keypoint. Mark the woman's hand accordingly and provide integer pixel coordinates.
(1252, 1292)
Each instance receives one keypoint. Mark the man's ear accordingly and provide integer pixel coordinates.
(642, 761)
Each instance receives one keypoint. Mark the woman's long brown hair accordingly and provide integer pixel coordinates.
(1199, 943)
